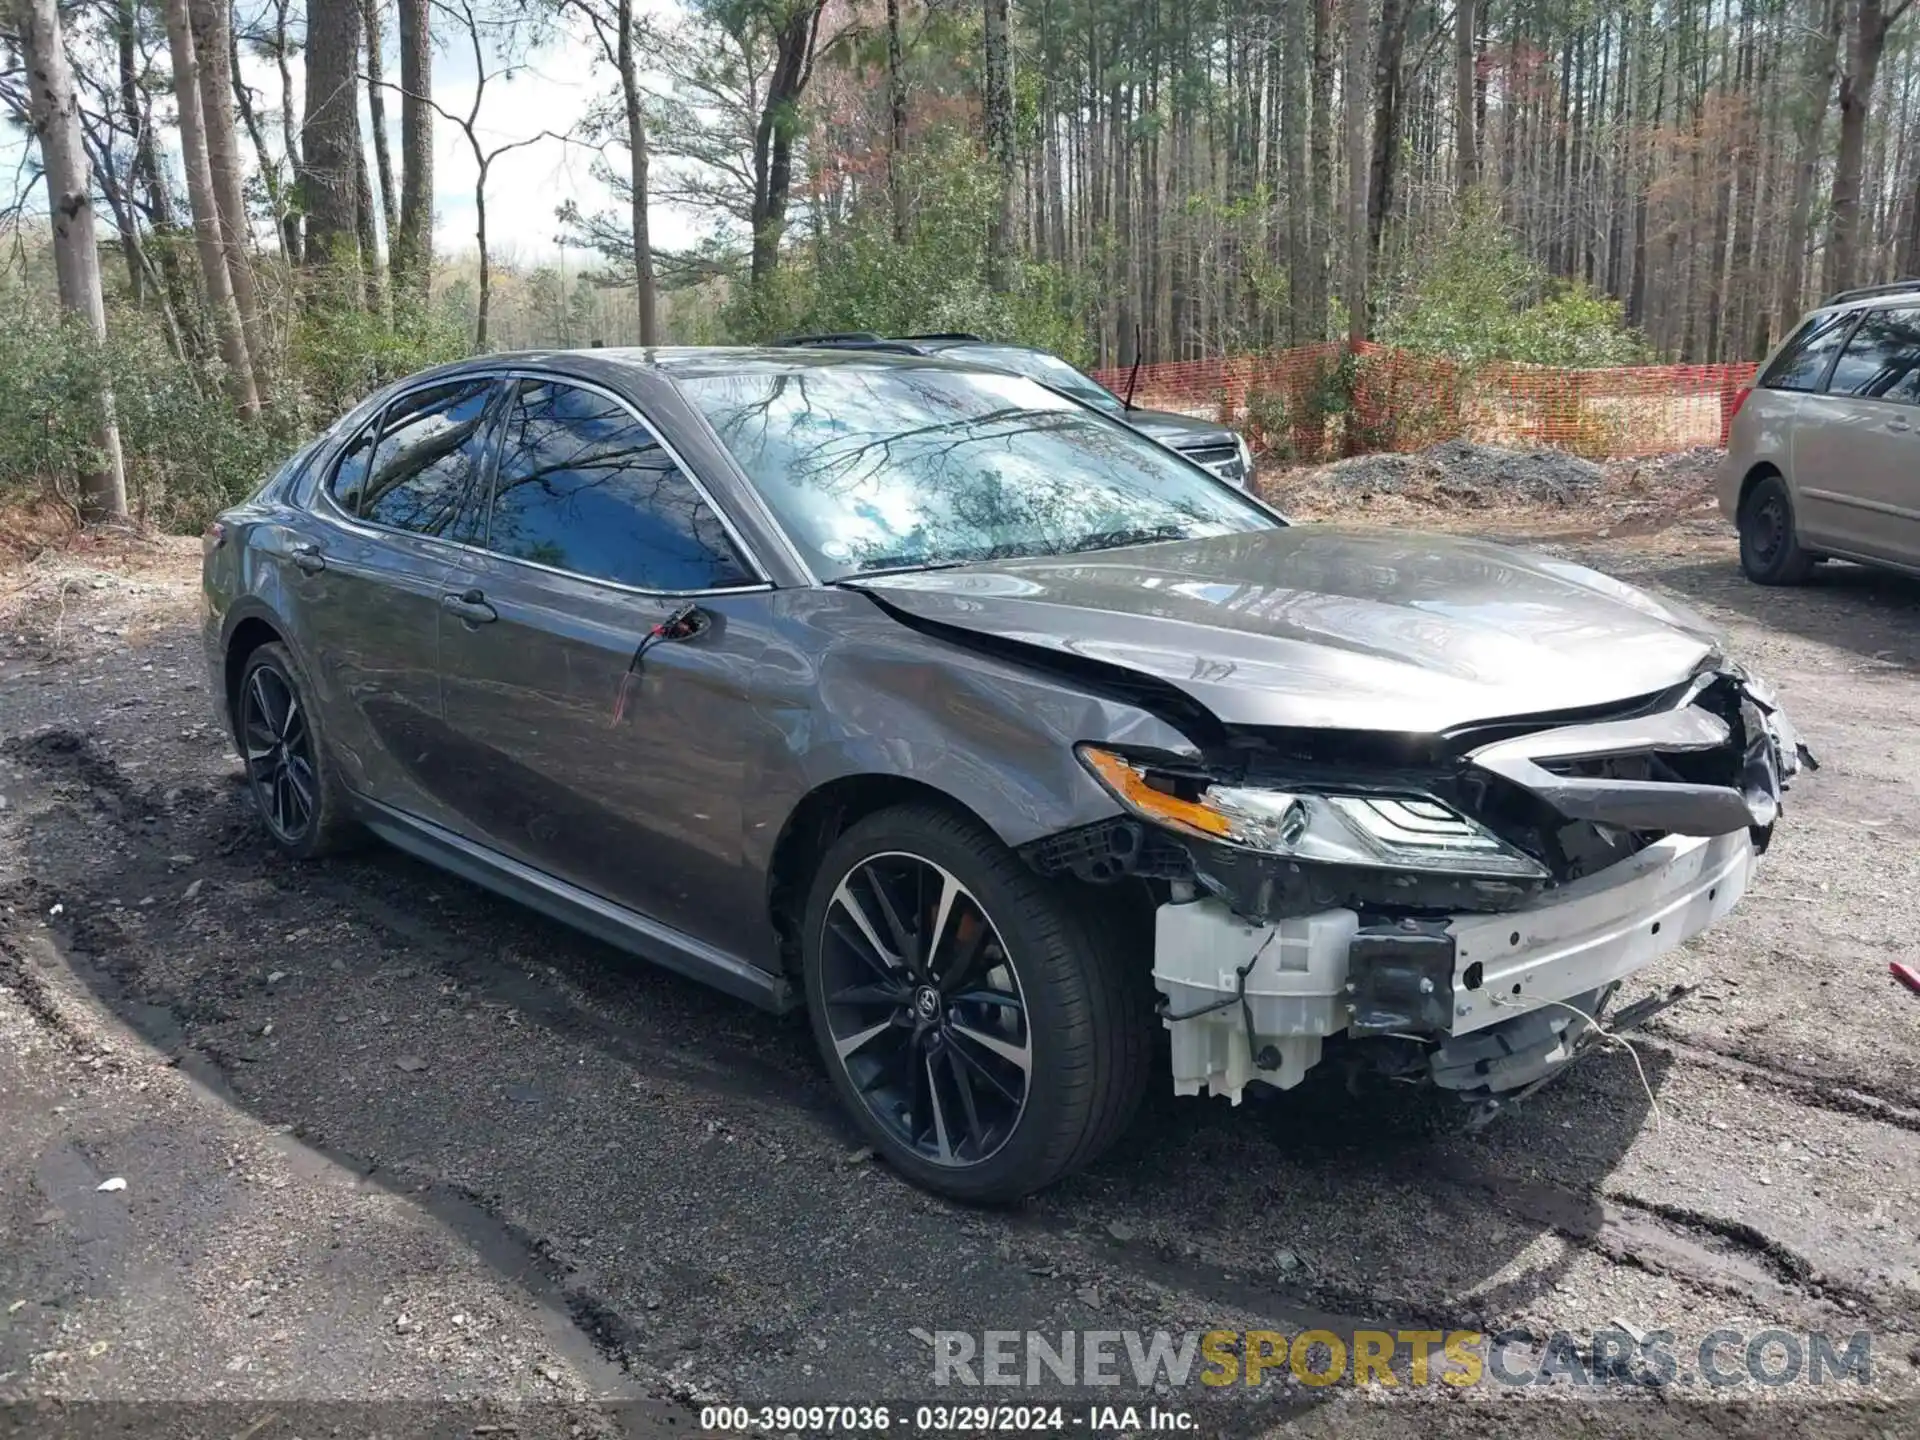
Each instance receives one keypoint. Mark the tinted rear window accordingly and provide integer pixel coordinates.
(430, 447)
(1882, 357)
(1803, 364)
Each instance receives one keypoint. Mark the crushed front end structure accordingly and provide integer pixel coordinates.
(1461, 917)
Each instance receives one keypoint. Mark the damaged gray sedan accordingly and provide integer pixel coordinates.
(993, 733)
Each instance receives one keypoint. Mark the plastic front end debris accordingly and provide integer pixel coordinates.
(1468, 924)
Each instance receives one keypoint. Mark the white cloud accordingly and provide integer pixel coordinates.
(550, 89)
(553, 91)
(525, 186)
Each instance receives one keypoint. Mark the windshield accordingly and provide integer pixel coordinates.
(895, 467)
(1039, 365)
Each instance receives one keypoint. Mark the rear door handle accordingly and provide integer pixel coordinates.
(307, 556)
(471, 606)
(1899, 425)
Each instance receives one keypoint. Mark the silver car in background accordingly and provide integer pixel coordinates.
(1823, 456)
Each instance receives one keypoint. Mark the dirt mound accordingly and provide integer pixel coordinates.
(1488, 490)
(1473, 474)
(1683, 471)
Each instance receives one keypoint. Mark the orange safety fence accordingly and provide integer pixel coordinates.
(1317, 401)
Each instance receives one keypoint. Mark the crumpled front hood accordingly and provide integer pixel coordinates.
(1332, 627)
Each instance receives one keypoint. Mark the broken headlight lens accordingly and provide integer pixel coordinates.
(1381, 832)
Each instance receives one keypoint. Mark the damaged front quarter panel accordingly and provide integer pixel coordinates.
(849, 694)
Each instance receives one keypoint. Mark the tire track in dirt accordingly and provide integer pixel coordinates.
(581, 1325)
(19, 973)
(1852, 1095)
(462, 943)
(72, 763)
(1712, 1255)
(672, 1034)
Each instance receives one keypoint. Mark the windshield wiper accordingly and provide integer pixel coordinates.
(905, 565)
(1116, 539)
(1105, 540)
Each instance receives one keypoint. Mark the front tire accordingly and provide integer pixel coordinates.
(289, 769)
(981, 1034)
(1770, 552)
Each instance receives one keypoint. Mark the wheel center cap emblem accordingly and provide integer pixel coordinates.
(926, 1002)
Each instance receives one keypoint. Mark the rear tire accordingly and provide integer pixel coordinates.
(1770, 552)
(985, 1033)
(290, 772)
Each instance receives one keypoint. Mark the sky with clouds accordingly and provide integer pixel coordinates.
(552, 89)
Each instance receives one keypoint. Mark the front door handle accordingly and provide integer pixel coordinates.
(1900, 426)
(471, 606)
(307, 556)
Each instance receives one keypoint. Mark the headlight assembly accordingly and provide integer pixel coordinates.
(1381, 832)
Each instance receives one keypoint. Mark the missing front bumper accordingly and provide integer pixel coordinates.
(1253, 1003)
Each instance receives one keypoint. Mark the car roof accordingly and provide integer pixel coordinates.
(695, 360)
(930, 343)
(1867, 296)
(624, 366)
(771, 359)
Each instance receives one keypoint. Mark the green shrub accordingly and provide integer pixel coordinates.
(855, 276)
(187, 452)
(1474, 297)
(1269, 425)
(341, 353)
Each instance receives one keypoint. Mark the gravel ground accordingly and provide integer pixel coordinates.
(386, 1138)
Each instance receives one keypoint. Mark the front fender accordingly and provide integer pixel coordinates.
(878, 698)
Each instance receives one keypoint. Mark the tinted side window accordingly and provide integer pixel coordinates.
(350, 470)
(1804, 361)
(431, 444)
(1881, 358)
(585, 487)
(289, 477)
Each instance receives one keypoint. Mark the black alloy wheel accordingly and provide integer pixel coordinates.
(279, 754)
(988, 1030)
(289, 769)
(925, 1010)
